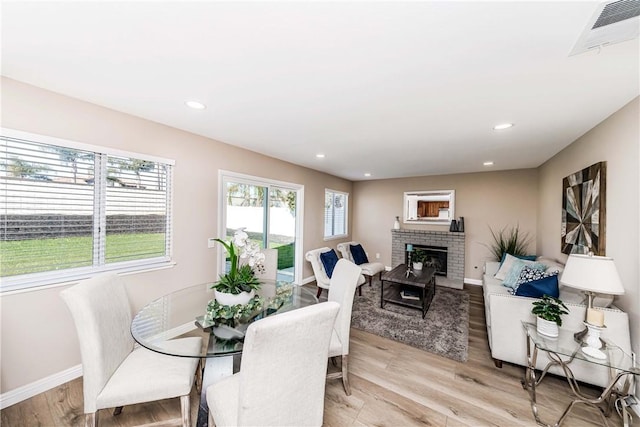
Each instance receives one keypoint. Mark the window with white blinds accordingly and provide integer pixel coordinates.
(69, 210)
(335, 213)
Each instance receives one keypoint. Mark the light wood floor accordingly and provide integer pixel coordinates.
(392, 385)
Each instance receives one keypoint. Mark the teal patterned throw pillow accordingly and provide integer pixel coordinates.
(513, 275)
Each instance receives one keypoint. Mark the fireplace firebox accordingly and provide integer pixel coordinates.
(436, 257)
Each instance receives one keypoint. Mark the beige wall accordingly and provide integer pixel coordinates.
(487, 199)
(38, 336)
(616, 141)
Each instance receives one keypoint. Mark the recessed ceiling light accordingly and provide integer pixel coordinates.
(367, 174)
(503, 126)
(320, 156)
(195, 105)
(489, 163)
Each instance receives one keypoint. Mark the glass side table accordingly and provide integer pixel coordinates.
(562, 351)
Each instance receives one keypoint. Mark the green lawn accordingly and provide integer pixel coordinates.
(33, 256)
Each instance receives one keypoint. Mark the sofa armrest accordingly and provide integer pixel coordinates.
(491, 268)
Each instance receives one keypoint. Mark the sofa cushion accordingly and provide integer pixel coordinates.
(512, 277)
(524, 257)
(540, 287)
(508, 264)
(358, 254)
(329, 261)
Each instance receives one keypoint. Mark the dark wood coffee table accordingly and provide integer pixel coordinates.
(395, 281)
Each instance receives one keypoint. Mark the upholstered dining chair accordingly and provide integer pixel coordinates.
(281, 381)
(114, 373)
(322, 278)
(346, 277)
(357, 255)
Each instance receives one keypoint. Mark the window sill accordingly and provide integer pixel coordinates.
(41, 284)
(340, 237)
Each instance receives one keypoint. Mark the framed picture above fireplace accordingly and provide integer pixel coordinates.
(429, 207)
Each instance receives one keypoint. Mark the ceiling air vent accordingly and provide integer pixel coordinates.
(612, 22)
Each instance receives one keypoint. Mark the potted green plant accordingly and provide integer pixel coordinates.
(418, 257)
(549, 311)
(239, 284)
(511, 241)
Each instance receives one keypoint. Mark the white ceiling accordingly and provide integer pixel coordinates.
(390, 88)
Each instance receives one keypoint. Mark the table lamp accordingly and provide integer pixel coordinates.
(592, 274)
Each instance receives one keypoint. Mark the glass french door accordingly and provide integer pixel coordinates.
(268, 212)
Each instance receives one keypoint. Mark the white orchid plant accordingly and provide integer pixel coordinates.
(241, 278)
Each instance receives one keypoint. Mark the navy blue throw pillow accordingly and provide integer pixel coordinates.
(358, 254)
(538, 288)
(329, 261)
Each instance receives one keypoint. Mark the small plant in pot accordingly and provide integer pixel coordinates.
(549, 311)
(418, 259)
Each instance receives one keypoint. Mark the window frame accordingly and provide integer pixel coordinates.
(35, 281)
(346, 215)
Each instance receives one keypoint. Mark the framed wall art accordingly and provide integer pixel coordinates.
(584, 211)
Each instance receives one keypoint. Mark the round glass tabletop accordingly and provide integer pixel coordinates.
(180, 314)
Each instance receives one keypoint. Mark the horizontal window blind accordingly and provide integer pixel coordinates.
(335, 213)
(74, 211)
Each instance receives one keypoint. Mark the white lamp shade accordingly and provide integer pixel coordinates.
(592, 273)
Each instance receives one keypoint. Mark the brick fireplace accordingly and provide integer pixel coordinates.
(453, 242)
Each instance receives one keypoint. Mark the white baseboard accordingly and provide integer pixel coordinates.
(40, 386)
(476, 282)
(309, 280)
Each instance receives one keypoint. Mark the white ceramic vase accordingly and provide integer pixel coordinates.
(233, 299)
(417, 266)
(547, 327)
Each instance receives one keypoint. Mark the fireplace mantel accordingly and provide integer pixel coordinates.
(453, 241)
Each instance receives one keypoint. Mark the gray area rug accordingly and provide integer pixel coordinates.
(444, 330)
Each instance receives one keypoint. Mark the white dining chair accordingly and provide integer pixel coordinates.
(281, 381)
(344, 281)
(114, 373)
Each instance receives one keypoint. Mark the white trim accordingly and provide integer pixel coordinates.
(27, 391)
(68, 281)
(346, 215)
(476, 282)
(226, 176)
(44, 139)
(308, 280)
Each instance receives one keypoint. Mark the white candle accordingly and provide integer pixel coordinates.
(595, 317)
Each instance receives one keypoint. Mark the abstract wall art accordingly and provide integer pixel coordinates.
(584, 211)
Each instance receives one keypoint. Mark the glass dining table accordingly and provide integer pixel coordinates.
(183, 314)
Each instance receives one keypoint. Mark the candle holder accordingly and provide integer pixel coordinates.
(593, 341)
(409, 263)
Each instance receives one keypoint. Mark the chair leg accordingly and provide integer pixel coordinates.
(91, 420)
(370, 280)
(319, 292)
(117, 411)
(185, 409)
(345, 374)
(360, 290)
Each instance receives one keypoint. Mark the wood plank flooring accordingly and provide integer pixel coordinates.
(392, 384)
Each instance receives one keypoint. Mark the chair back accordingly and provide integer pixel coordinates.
(102, 315)
(313, 256)
(344, 281)
(284, 367)
(345, 250)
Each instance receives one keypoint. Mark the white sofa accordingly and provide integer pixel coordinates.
(505, 312)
